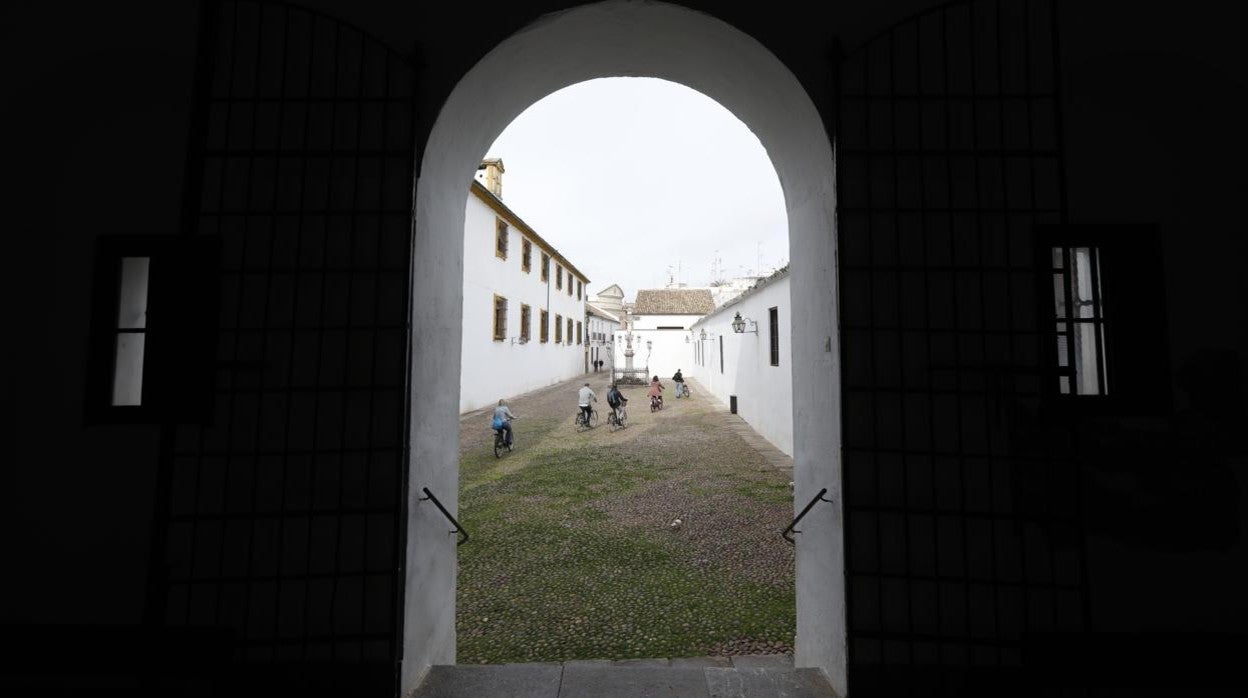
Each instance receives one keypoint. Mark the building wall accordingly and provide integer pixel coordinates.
(604, 343)
(494, 369)
(764, 392)
(650, 322)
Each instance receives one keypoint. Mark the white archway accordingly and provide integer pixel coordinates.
(610, 39)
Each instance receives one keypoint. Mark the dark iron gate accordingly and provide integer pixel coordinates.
(964, 536)
(283, 517)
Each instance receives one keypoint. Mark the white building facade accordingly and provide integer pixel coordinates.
(600, 337)
(755, 366)
(524, 303)
(659, 328)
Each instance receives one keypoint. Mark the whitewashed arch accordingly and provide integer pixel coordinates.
(611, 39)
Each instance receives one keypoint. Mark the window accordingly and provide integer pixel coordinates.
(130, 329)
(569, 284)
(773, 317)
(525, 316)
(153, 330)
(569, 330)
(721, 353)
(578, 332)
(526, 256)
(545, 267)
(579, 289)
(558, 329)
(558, 277)
(500, 318)
(544, 326)
(1080, 321)
(500, 239)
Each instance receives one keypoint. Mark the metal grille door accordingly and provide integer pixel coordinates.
(284, 514)
(963, 530)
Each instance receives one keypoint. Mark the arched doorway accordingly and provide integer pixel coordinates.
(703, 53)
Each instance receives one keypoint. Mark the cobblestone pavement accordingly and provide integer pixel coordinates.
(577, 552)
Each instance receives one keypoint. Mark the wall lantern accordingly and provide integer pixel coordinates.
(702, 336)
(738, 325)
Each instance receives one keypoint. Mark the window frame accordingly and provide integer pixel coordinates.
(569, 336)
(543, 329)
(579, 337)
(501, 235)
(499, 321)
(1135, 326)
(558, 328)
(526, 255)
(180, 330)
(773, 332)
(545, 268)
(558, 277)
(526, 319)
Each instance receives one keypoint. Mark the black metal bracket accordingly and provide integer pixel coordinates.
(818, 498)
(458, 528)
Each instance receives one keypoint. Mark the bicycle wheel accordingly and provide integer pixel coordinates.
(498, 446)
(593, 419)
(580, 421)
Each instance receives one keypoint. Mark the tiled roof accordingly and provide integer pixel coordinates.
(674, 301)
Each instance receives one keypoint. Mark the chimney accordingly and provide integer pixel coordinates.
(493, 175)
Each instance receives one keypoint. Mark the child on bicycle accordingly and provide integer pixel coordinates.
(616, 400)
(656, 391)
(502, 419)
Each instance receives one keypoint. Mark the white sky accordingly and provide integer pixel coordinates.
(628, 176)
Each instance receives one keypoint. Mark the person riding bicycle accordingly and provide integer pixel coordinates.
(584, 396)
(679, 380)
(502, 420)
(616, 400)
(656, 390)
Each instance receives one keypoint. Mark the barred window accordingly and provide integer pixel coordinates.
(558, 329)
(526, 256)
(525, 316)
(1080, 321)
(544, 328)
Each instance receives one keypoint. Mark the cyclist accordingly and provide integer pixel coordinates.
(584, 396)
(679, 380)
(656, 390)
(502, 420)
(617, 401)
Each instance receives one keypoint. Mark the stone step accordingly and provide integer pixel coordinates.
(697, 677)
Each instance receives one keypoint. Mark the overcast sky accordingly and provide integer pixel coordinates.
(630, 176)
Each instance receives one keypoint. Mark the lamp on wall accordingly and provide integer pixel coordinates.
(702, 335)
(738, 325)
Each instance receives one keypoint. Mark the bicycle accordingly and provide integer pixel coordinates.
(656, 403)
(500, 443)
(582, 424)
(682, 390)
(615, 423)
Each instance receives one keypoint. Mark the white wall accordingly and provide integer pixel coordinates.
(604, 345)
(494, 369)
(650, 322)
(764, 392)
(614, 38)
(668, 351)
